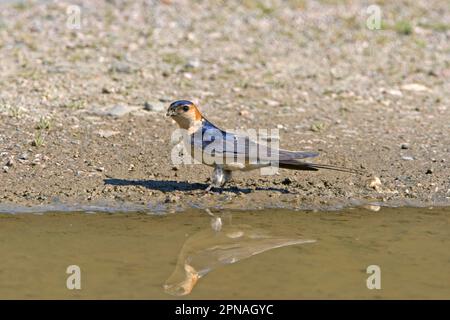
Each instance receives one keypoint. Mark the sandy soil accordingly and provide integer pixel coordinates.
(82, 111)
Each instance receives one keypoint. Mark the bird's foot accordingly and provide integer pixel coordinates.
(212, 189)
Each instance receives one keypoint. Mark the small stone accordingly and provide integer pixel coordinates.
(23, 156)
(286, 181)
(415, 87)
(5, 169)
(429, 171)
(155, 105)
(172, 199)
(317, 127)
(120, 67)
(190, 36)
(131, 167)
(192, 64)
(246, 114)
(405, 146)
(394, 92)
(107, 133)
(376, 184)
(117, 111)
(100, 169)
(107, 90)
(407, 158)
(10, 162)
(271, 103)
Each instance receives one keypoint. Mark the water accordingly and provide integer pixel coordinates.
(275, 254)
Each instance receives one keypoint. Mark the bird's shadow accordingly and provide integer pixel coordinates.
(170, 185)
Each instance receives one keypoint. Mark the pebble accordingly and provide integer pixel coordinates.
(415, 87)
(118, 111)
(394, 92)
(120, 67)
(407, 158)
(317, 127)
(154, 105)
(108, 90)
(107, 133)
(172, 199)
(405, 146)
(376, 184)
(192, 64)
(272, 103)
(10, 162)
(246, 114)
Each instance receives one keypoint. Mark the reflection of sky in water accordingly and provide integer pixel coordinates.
(219, 245)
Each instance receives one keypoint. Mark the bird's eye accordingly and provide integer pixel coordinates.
(185, 108)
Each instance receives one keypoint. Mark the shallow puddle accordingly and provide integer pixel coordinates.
(273, 254)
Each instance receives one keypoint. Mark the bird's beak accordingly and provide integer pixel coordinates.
(170, 113)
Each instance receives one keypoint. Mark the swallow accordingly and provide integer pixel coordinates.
(224, 156)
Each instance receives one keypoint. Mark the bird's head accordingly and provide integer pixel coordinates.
(185, 113)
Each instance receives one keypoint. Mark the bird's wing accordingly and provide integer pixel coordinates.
(233, 145)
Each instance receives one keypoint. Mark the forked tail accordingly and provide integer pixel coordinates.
(298, 165)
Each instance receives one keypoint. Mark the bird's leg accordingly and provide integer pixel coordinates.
(219, 178)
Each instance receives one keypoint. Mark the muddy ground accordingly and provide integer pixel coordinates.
(82, 110)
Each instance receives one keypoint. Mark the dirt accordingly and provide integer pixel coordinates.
(82, 111)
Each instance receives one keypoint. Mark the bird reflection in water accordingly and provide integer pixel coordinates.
(220, 245)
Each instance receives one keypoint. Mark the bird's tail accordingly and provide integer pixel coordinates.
(298, 165)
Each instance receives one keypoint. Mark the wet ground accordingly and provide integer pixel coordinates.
(273, 254)
(82, 110)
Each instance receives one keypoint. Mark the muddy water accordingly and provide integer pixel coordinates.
(265, 254)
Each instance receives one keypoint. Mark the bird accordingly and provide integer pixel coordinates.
(224, 153)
